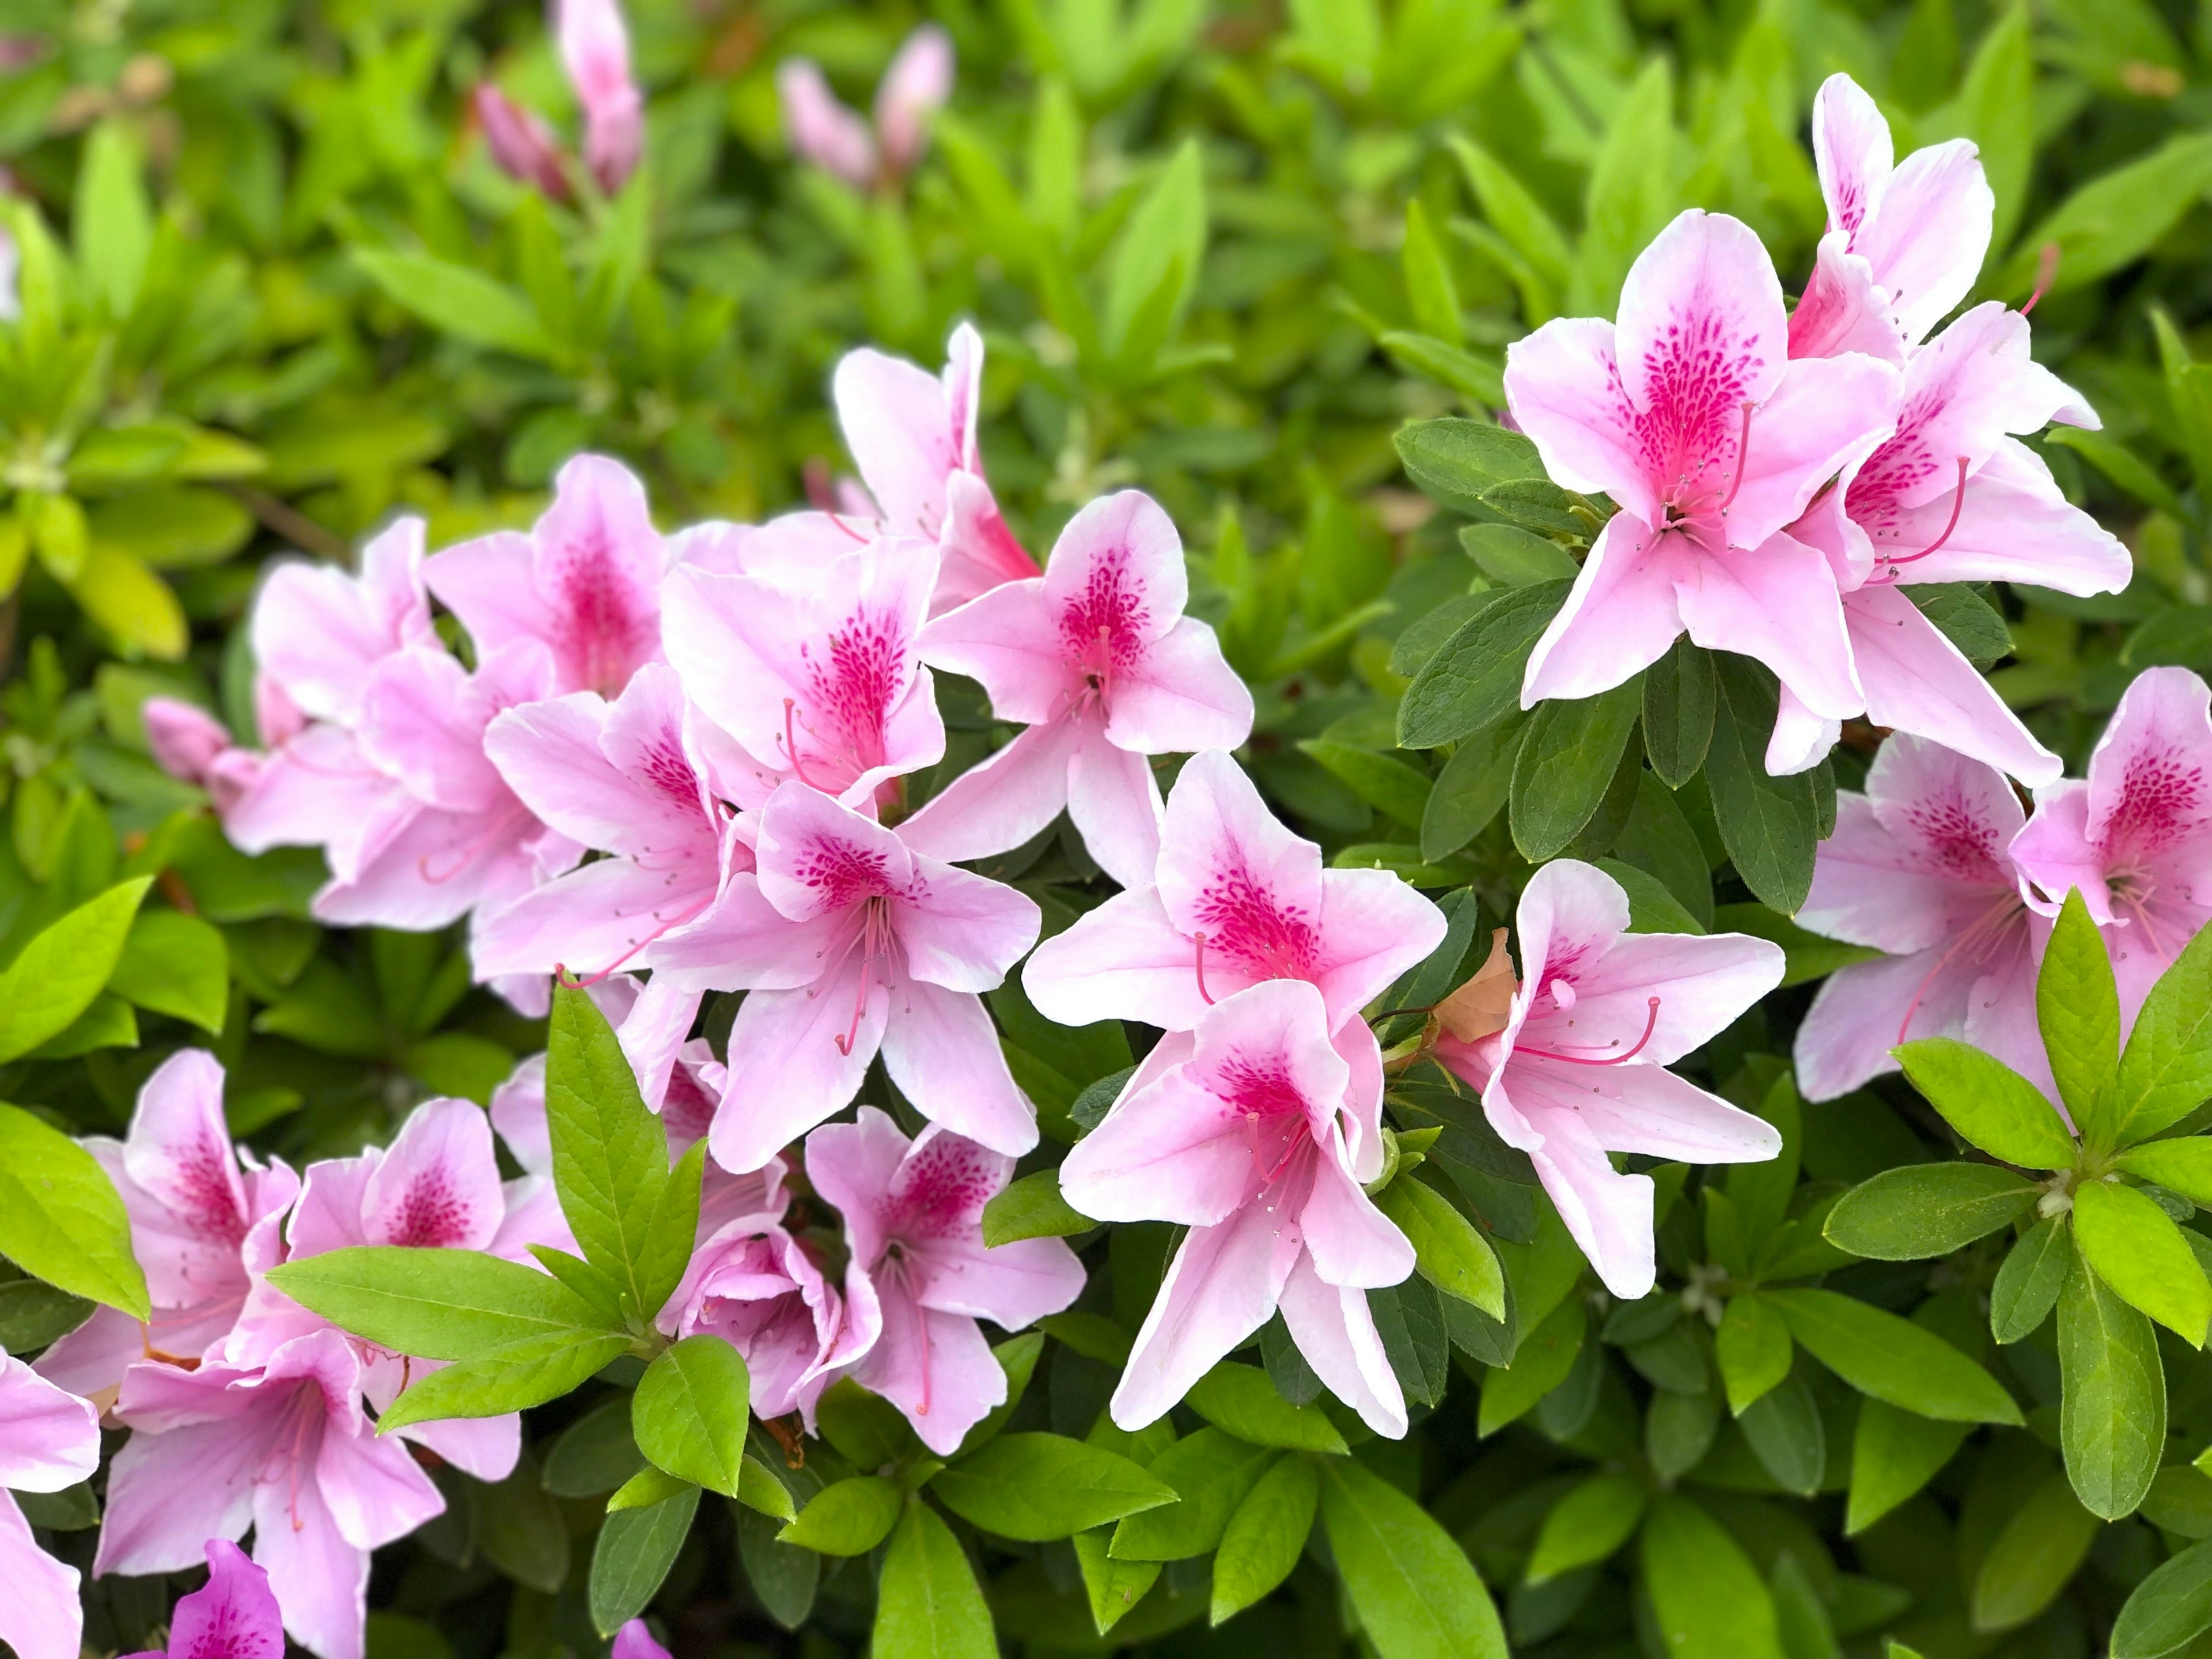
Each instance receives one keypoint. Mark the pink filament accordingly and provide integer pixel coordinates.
(470, 854)
(673, 922)
(1200, 939)
(1742, 459)
(791, 747)
(2047, 272)
(1979, 928)
(1958, 505)
(1650, 1025)
(869, 932)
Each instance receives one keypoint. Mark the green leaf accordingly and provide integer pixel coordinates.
(785, 1579)
(1893, 1454)
(1892, 1358)
(609, 1153)
(1478, 378)
(460, 300)
(2111, 1412)
(114, 223)
(506, 1379)
(2078, 1007)
(1155, 264)
(2116, 217)
(650, 1485)
(2169, 1609)
(1784, 1429)
(2029, 1279)
(1018, 1357)
(1706, 1597)
(689, 1412)
(1473, 680)
(57, 976)
(1449, 1251)
(1473, 786)
(1631, 195)
(671, 1235)
(2136, 1248)
(1390, 786)
(175, 964)
(866, 1429)
(1414, 1590)
(1989, 1103)
(595, 1454)
(1041, 1487)
(1927, 1210)
(521, 1529)
(61, 1219)
(1753, 1348)
(2042, 1544)
(432, 1304)
(2182, 1165)
(1967, 620)
(1265, 1537)
(760, 1491)
(635, 1550)
(1212, 1472)
(848, 1517)
(1540, 1364)
(1458, 462)
(1032, 1208)
(1769, 825)
(1587, 1525)
(33, 1313)
(927, 1603)
(1512, 556)
(1566, 764)
(2166, 1073)
(1243, 1401)
(1432, 294)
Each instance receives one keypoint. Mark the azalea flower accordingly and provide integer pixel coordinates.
(2136, 837)
(232, 1616)
(191, 745)
(919, 1276)
(49, 1440)
(1097, 658)
(824, 132)
(637, 778)
(1690, 417)
(283, 1448)
(761, 1291)
(1920, 868)
(1236, 899)
(585, 582)
(912, 436)
(194, 1201)
(1247, 1142)
(595, 50)
(522, 145)
(815, 673)
(1575, 1066)
(1951, 497)
(1904, 243)
(850, 943)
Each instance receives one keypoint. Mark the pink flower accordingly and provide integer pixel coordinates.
(2136, 837)
(1691, 417)
(232, 1616)
(919, 1275)
(595, 51)
(585, 582)
(817, 674)
(1579, 1069)
(1904, 243)
(1246, 1140)
(850, 943)
(1097, 659)
(283, 1448)
(637, 779)
(194, 1201)
(1919, 868)
(912, 436)
(1237, 899)
(1951, 497)
(756, 1287)
(824, 132)
(49, 1440)
(319, 634)
(634, 1641)
(521, 144)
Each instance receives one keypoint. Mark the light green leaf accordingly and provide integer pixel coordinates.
(1632, 191)
(1430, 289)
(2042, 1544)
(1414, 1590)
(650, 1485)
(1893, 1359)
(1156, 263)
(848, 1517)
(2111, 1415)
(1926, 1210)
(1587, 1525)
(61, 1219)
(2116, 217)
(1540, 1364)
(1753, 1348)
(759, 1490)
(1032, 1208)
(2137, 1250)
(64, 967)
(609, 1153)
(432, 1304)
(927, 1603)
(2182, 1165)
(1212, 1472)
(1041, 1487)
(1706, 1597)
(1894, 1454)
(689, 1412)
(2166, 1073)
(511, 1378)
(2078, 1007)
(460, 301)
(1114, 1588)
(1989, 1103)
(1265, 1537)
(1244, 1401)
(114, 223)
(1449, 1251)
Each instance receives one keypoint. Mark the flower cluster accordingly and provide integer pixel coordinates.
(1937, 868)
(1782, 474)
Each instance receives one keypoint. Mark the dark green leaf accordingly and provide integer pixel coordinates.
(1475, 782)
(1474, 678)
(1706, 1597)
(1892, 1358)
(1511, 556)
(1783, 1428)
(2168, 1609)
(1680, 695)
(1894, 1452)
(1566, 764)
(2029, 1279)
(1457, 461)
(635, 1550)
(1927, 1210)
(2042, 1544)
(1769, 825)
(595, 1454)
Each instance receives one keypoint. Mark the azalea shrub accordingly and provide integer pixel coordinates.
(1184, 828)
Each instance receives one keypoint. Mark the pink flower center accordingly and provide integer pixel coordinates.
(852, 689)
(1100, 629)
(1242, 919)
(600, 632)
(1278, 1124)
(429, 1213)
(203, 1183)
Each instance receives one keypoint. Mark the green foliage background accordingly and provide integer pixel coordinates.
(274, 291)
